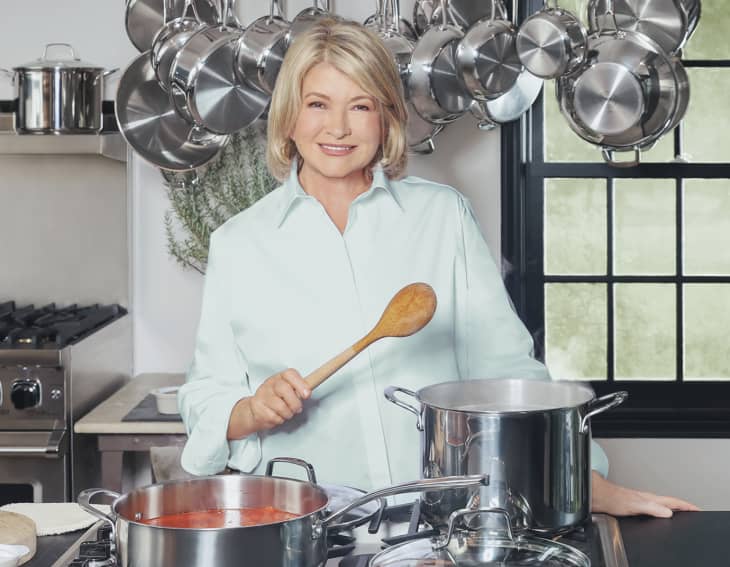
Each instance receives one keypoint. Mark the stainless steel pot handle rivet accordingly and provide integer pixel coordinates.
(444, 483)
(390, 392)
(443, 542)
(599, 405)
(84, 500)
(292, 461)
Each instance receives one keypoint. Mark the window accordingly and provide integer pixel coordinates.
(623, 274)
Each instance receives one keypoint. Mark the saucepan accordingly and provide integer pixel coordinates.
(532, 437)
(144, 18)
(298, 541)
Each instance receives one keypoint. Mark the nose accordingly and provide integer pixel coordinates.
(338, 125)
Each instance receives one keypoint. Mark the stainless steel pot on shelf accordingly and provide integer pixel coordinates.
(59, 95)
(532, 437)
(299, 542)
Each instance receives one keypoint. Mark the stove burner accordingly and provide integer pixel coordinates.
(51, 327)
(96, 553)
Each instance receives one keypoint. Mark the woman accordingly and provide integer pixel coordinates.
(307, 271)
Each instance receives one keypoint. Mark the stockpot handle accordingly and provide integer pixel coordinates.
(608, 158)
(84, 500)
(599, 405)
(443, 483)
(390, 392)
(443, 542)
(292, 461)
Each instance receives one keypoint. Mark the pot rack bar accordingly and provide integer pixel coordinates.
(108, 143)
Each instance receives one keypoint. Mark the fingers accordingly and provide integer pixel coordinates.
(676, 503)
(279, 398)
(297, 382)
(652, 507)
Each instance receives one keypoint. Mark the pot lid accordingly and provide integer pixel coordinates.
(469, 549)
(57, 56)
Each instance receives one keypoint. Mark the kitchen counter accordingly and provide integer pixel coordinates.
(106, 418)
(116, 437)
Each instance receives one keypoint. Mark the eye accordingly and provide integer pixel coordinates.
(315, 104)
(363, 107)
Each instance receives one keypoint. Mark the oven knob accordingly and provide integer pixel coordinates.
(25, 394)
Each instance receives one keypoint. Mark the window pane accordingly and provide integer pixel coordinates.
(706, 324)
(709, 40)
(706, 227)
(575, 226)
(575, 331)
(706, 135)
(645, 331)
(645, 226)
(562, 144)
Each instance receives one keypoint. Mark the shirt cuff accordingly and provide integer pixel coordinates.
(207, 449)
(599, 460)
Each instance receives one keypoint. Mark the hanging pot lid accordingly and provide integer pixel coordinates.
(65, 59)
(482, 552)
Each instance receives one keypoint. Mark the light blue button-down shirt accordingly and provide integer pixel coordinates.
(284, 288)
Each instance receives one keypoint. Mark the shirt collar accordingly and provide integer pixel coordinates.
(294, 192)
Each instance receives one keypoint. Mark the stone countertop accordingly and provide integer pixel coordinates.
(106, 418)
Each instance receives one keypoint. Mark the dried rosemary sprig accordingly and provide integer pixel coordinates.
(202, 201)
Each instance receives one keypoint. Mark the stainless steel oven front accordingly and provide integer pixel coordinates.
(34, 466)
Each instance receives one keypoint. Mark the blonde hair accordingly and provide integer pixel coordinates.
(359, 54)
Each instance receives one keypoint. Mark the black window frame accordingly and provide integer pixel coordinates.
(696, 409)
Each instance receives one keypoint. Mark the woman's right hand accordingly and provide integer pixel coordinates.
(277, 399)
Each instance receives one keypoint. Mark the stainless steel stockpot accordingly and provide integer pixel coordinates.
(299, 542)
(531, 436)
(60, 95)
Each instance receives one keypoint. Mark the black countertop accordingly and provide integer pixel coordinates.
(690, 539)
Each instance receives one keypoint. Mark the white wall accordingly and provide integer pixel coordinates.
(166, 298)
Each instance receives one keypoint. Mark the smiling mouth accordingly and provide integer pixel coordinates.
(336, 149)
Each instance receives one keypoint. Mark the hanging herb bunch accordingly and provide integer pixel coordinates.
(202, 201)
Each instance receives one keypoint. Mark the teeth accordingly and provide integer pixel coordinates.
(336, 148)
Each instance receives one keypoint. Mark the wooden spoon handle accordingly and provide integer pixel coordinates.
(318, 376)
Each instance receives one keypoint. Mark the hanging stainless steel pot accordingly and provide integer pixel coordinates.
(419, 132)
(383, 16)
(670, 23)
(261, 49)
(308, 17)
(151, 126)
(299, 542)
(629, 93)
(487, 58)
(551, 42)
(463, 13)
(206, 88)
(60, 95)
(144, 18)
(170, 39)
(434, 86)
(533, 436)
(516, 101)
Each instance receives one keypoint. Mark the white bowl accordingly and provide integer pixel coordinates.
(10, 554)
(166, 399)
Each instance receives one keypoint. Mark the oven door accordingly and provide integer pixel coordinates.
(34, 466)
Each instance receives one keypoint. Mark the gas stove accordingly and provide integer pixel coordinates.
(600, 540)
(56, 364)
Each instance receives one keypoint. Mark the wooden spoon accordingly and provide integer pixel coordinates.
(407, 313)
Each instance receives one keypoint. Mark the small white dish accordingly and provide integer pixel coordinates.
(166, 399)
(10, 554)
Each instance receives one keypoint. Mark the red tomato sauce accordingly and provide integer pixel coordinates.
(224, 518)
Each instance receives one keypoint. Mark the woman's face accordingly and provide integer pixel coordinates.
(338, 129)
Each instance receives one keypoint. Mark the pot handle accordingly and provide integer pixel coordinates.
(443, 483)
(424, 148)
(292, 461)
(390, 392)
(609, 159)
(443, 542)
(599, 405)
(84, 500)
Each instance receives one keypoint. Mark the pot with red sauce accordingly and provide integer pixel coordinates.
(233, 520)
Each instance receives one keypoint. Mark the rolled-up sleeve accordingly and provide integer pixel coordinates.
(217, 378)
(494, 342)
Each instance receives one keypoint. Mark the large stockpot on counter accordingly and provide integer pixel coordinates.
(532, 437)
(59, 95)
(299, 542)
